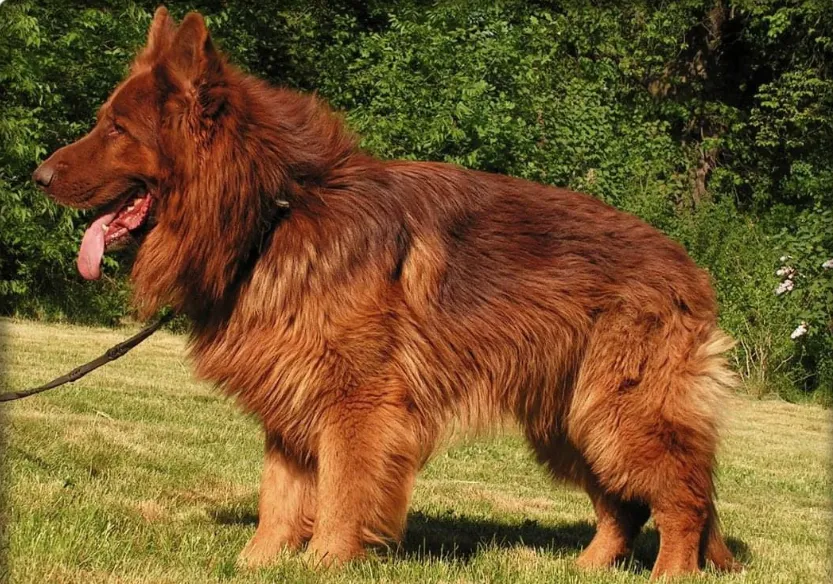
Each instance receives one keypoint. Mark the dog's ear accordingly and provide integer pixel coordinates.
(192, 57)
(160, 34)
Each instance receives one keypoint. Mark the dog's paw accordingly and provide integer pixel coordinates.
(262, 551)
(320, 554)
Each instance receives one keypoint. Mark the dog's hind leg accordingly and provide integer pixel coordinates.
(684, 506)
(286, 509)
(645, 416)
(368, 457)
(617, 522)
(617, 525)
(687, 521)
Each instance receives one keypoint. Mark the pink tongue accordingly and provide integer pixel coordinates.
(92, 248)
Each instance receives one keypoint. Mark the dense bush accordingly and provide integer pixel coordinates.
(712, 120)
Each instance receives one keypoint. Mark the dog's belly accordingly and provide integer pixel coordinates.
(512, 360)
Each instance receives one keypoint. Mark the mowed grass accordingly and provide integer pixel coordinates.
(139, 474)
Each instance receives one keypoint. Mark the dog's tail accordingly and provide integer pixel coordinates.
(715, 549)
(716, 380)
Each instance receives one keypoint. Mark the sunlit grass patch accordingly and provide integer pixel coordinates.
(139, 474)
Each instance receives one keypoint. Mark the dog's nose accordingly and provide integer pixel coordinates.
(43, 175)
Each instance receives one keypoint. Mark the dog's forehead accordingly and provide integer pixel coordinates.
(135, 92)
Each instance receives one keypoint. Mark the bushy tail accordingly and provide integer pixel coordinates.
(709, 386)
(717, 379)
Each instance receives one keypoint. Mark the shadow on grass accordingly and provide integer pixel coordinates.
(236, 515)
(452, 537)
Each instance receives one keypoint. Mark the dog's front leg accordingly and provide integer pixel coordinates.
(367, 461)
(286, 509)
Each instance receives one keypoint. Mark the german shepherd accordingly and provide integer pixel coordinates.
(361, 307)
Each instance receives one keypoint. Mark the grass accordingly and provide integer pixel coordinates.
(138, 474)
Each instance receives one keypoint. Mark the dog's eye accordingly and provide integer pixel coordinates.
(116, 129)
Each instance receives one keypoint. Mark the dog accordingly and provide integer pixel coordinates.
(361, 307)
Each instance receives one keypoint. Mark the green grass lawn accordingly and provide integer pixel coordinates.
(138, 474)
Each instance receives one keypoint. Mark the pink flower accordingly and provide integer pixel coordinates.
(783, 287)
(800, 331)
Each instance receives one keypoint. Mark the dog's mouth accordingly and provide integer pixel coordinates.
(110, 228)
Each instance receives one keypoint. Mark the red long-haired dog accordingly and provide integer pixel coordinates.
(361, 307)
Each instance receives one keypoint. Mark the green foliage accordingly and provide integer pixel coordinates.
(712, 120)
(809, 303)
(44, 50)
(517, 100)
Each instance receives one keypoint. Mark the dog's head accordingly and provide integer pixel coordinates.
(123, 167)
(198, 163)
